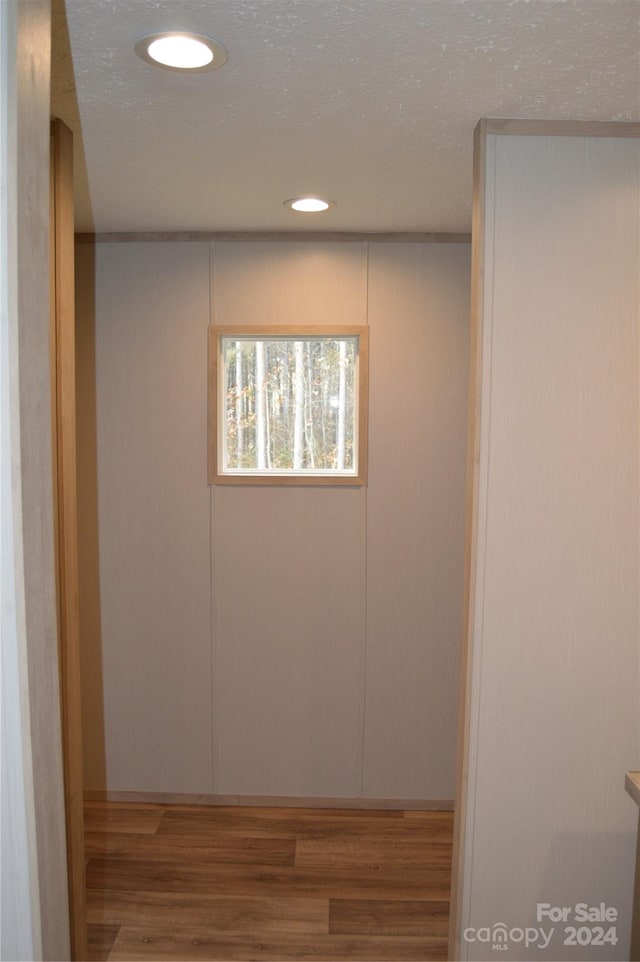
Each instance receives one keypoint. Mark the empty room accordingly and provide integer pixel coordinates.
(324, 447)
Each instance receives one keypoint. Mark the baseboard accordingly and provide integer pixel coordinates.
(272, 801)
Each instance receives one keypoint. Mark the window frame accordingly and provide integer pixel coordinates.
(290, 332)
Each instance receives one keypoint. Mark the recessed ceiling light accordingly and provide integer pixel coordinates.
(309, 205)
(182, 51)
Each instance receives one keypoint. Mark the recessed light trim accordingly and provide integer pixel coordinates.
(309, 205)
(183, 52)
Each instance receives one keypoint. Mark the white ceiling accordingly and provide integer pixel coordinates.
(369, 102)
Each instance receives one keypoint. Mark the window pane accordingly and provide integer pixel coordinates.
(289, 404)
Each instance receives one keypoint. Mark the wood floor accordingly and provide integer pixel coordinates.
(187, 882)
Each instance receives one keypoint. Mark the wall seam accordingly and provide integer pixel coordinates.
(363, 563)
(212, 592)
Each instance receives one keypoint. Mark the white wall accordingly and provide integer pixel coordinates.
(554, 717)
(19, 935)
(260, 640)
(34, 909)
(17, 913)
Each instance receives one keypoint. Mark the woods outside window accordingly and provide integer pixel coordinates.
(288, 405)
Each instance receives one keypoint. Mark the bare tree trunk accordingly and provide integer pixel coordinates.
(285, 385)
(325, 404)
(342, 404)
(268, 401)
(308, 421)
(298, 403)
(260, 411)
(239, 400)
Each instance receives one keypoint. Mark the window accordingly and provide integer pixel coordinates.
(288, 406)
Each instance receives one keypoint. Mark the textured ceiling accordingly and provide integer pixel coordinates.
(369, 102)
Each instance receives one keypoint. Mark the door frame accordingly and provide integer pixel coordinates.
(65, 512)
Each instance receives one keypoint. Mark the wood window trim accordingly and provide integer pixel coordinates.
(290, 331)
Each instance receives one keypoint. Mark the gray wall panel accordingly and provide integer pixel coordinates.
(418, 311)
(152, 312)
(250, 678)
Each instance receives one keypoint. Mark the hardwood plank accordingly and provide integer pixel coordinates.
(445, 816)
(322, 803)
(138, 943)
(373, 854)
(388, 917)
(149, 876)
(225, 849)
(263, 822)
(292, 811)
(312, 813)
(139, 820)
(255, 914)
(109, 804)
(100, 939)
